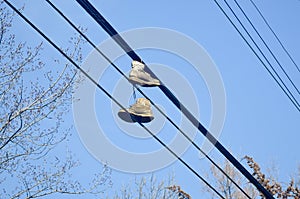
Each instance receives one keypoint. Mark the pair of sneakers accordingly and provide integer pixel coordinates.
(141, 110)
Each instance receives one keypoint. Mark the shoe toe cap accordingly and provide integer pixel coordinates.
(126, 116)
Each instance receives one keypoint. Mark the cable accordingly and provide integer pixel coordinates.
(277, 38)
(110, 96)
(109, 29)
(291, 95)
(278, 76)
(266, 45)
(169, 119)
(295, 103)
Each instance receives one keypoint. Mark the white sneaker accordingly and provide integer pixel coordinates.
(138, 75)
(138, 112)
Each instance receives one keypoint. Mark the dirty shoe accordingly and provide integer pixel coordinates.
(138, 112)
(138, 75)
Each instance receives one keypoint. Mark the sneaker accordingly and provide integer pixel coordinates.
(138, 75)
(138, 112)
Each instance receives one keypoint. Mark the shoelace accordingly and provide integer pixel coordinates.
(134, 94)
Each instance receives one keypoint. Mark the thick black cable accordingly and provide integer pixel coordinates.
(106, 26)
(102, 22)
(109, 95)
(275, 35)
(266, 45)
(168, 118)
(295, 103)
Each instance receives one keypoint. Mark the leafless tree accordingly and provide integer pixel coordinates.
(225, 186)
(230, 191)
(151, 188)
(34, 99)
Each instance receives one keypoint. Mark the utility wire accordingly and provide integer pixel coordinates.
(113, 33)
(266, 45)
(277, 38)
(109, 95)
(249, 35)
(294, 101)
(169, 119)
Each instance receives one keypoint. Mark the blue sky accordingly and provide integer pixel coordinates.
(260, 120)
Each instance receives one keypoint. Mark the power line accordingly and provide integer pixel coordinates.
(169, 119)
(280, 79)
(284, 89)
(266, 45)
(112, 32)
(109, 95)
(277, 38)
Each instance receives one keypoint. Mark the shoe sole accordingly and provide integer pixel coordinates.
(143, 83)
(131, 118)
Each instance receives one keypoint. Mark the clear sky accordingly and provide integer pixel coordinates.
(260, 120)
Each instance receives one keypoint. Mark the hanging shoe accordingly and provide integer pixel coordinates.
(138, 112)
(139, 76)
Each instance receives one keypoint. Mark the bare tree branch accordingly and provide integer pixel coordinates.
(34, 100)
